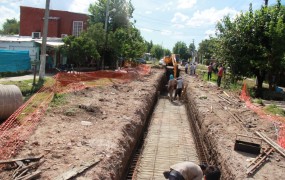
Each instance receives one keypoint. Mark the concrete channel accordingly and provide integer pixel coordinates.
(168, 140)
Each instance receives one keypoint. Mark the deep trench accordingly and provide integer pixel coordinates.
(205, 150)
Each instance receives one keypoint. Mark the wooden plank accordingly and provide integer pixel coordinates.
(258, 160)
(271, 142)
(31, 176)
(77, 170)
(9, 161)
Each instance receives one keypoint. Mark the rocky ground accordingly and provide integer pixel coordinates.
(98, 128)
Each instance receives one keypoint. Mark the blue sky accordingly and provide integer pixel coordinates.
(165, 22)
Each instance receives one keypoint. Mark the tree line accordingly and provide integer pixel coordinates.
(251, 45)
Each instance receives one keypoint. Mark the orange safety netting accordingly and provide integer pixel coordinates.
(281, 132)
(22, 123)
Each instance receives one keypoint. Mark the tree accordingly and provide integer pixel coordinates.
(148, 45)
(79, 50)
(119, 18)
(10, 26)
(167, 52)
(181, 49)
(128, 43)
(157, 51)
(207, 49)
(253, 43)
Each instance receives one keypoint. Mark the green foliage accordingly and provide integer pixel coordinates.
(272, 108)
(26, 86)
(118, 19)
(148, 46)
(167, 52)
(10, 26)
(128, 43)
(258, 101)
(79, 49)
(181, 49)
(157, 51)
(58, 99)
(207, 50)
(254, 43)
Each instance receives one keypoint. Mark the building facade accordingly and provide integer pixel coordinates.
(61, 23)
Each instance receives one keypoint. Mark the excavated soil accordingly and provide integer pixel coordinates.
(104, 124)
(219, 117)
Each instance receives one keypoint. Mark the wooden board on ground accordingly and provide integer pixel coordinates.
(77, 170)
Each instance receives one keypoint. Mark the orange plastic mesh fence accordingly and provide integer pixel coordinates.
(281, 120)
(22, 123)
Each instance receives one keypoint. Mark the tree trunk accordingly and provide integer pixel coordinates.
(260, 78)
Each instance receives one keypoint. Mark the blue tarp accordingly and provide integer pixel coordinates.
(14, 61)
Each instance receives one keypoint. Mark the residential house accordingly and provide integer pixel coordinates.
(61, 23)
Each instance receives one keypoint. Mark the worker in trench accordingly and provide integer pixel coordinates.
(192, 171)
(172, 83)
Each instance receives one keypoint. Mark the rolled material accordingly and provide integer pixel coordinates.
(10, 100)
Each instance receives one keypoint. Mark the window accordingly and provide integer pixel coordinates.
(77, 28)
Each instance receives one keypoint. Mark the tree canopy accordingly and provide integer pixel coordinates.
(253, 43)
(181, 49)
(10, 26)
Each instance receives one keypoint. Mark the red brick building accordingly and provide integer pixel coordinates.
(60, 22)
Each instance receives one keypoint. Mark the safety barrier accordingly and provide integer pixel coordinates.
(281, 120)
(22, 123)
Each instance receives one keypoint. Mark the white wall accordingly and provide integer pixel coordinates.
(22, 46)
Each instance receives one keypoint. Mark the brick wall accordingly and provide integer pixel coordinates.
(60, 22)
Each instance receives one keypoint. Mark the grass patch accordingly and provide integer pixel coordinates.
(258, 101)
(273, 109)
(27, 87)
(58, 99)
(13, 74)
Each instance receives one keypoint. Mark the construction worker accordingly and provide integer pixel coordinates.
(192, 171)
(172, 83)
(179, 88)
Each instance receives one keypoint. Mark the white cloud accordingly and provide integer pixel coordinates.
(146, 30)
(148, 12)
(80, 6)
(209, 16)
(186, 4)
(179, 17)
(6, 13)
(210, 32)
(166, 32)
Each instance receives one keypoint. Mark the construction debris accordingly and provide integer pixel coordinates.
(77, 170)
(25, 168)
(253, 167)
(271, 143)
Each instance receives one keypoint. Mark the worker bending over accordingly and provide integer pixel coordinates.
(192, 171)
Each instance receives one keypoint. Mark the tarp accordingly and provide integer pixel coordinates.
(14, 61)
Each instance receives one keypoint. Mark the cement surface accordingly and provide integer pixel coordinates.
(169, 141)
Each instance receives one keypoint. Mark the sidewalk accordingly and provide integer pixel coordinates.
(21, 78)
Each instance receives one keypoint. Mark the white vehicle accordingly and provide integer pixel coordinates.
(161, 62)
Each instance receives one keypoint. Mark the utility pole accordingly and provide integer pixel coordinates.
(44, 41)
(106, 33)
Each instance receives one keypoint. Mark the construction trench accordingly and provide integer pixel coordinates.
(172, 134)
(137, 133)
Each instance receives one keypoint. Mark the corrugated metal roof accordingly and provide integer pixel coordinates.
(54, 42)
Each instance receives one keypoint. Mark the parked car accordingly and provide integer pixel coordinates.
(140, 60)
